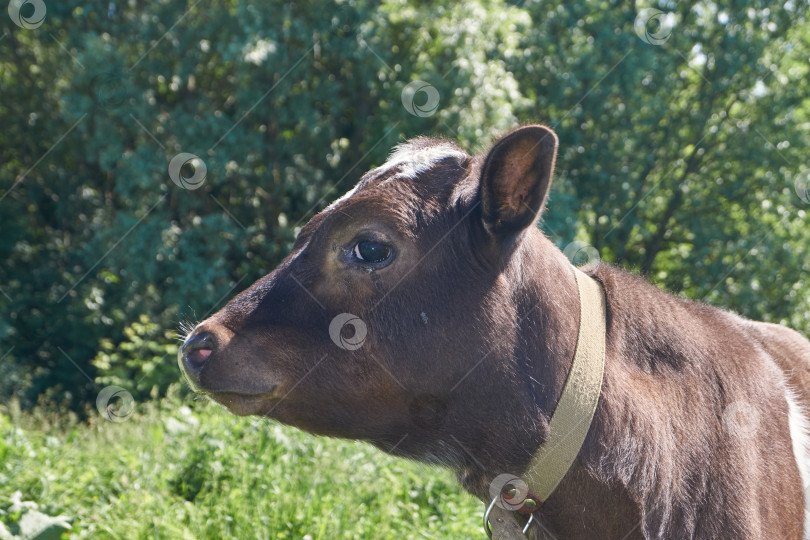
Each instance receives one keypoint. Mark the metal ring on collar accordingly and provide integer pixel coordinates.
(488, 527)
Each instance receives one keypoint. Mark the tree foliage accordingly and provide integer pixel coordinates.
(682, 139)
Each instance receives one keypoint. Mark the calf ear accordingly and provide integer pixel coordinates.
(516, 178)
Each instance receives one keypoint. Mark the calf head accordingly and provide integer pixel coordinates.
(395, 318)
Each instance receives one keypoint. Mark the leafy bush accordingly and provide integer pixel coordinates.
(144, 363)
(21, 520)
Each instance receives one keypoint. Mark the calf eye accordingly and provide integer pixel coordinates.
(371, 252)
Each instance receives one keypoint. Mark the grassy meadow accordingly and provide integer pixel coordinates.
(180, 468)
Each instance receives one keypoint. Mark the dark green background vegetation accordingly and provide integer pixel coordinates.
(679, 160)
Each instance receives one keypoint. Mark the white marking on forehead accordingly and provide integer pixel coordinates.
(415, 160)
(412, 159)
(343, 197)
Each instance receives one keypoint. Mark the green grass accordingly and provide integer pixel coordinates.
(191, 470)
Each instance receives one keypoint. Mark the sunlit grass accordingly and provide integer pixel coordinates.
(191, 470)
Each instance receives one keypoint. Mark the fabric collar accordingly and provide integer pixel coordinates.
(571, 421)
(574, 413)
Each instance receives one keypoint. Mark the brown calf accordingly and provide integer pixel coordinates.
(425, 313)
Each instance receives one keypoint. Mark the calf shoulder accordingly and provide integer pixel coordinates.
(693, 420)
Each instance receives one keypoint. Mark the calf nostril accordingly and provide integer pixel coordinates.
(196, 350)
(196, 358)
